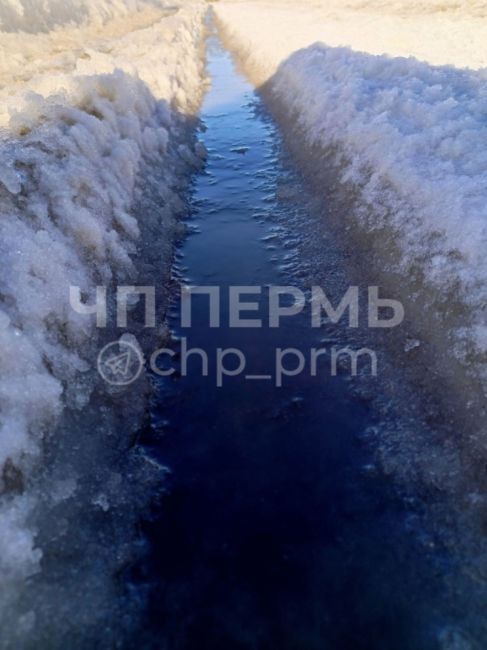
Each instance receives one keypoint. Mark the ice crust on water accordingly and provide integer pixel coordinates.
(86, 110)
(410, 135)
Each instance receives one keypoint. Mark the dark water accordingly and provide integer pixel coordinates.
(277, 530)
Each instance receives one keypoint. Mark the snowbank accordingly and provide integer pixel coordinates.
(95, 130)
(408, 134)
(34, 16)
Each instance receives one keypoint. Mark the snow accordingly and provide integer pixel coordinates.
(34, 16)
(437, 31)
(96, 131)
(97, 140)
(383, 91)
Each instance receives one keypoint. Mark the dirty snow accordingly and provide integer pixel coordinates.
(96, 94)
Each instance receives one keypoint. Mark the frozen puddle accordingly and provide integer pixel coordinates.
(277, 531)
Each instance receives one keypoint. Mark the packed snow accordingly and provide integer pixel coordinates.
(383, 90)
(96, 141)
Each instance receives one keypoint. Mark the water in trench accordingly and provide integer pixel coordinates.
(276, 531)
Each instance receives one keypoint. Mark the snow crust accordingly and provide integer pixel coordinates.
(408, 134)
(93, 117)
(34, 16)
(437, 31)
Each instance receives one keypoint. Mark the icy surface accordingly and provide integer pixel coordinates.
(86, 110)
(410, 135)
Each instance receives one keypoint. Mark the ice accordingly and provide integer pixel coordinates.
(411, 344)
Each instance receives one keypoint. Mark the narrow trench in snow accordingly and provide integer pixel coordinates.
(278, 530)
